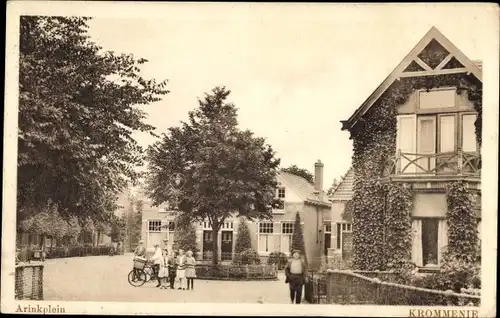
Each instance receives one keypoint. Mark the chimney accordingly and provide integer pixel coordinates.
(318, 179)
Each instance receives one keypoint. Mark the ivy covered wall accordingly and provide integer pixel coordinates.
(375, 208)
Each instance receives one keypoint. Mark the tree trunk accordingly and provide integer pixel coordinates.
(215, 245)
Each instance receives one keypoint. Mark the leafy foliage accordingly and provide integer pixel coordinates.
(243, 240)
(78, 108)
(398, 227)
(278, 258)
(374, 140)
(117, 231)
(298, 237)
(50, 223)
(304, 173)
(227, 171)
(185, 236)
(249, 257)
(462, 224)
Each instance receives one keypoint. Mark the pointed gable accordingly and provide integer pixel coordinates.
(434, 54)
(345, 189)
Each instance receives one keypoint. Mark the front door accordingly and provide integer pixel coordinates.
(328, 237)
(226, 245)
(207, 245)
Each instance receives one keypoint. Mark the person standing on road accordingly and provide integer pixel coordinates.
(172, 269)
(156, 258)
(190, 269)
(296, 276)
(163, 273)
(181, 269)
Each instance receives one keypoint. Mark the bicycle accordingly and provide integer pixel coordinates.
(143, 272)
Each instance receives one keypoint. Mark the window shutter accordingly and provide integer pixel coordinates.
(406, 140)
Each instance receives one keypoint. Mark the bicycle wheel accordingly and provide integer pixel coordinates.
(138, 279)
(148, 273)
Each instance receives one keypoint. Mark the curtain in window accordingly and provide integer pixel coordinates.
(442, 239)
(416, 253)
(468, 133)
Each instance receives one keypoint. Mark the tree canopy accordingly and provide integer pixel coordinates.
(78, 108)
(227, 171)
(304, 173)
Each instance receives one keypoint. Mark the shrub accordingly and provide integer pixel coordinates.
(249, 257)
(278, 258)
(243, 240)
(298, 237)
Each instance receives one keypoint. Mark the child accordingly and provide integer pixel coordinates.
(172, 269)
(181, 269)
(163, 273)
(190, 269)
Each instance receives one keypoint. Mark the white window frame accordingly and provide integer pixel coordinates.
(424, 161)
(267, 234)
(286, 236)
(154, 226)
(345, 227)
(284, 193)
(462, 132)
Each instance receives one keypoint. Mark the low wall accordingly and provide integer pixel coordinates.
(346, 287)
(29, 281)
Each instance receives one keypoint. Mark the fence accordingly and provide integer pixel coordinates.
(345, 287)
(237, 272)
(29, 282)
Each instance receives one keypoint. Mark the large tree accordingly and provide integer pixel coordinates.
(304, 173)
(227, 171)
(78, 108)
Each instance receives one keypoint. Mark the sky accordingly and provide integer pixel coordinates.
(294, 71)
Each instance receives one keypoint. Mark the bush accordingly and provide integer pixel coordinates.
(243, 240)
(278, 258)
(249, 257)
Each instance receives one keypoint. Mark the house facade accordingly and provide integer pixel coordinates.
(433, 102)
(297, 194)
(340, 250)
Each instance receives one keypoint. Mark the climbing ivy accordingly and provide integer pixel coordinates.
(398, 226)
(374, 141)
(462, 223)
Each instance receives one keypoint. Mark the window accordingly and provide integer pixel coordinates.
(154, 225)
(171, 226)
(443, 98)
(447, 133)
(430, 239)
(426, 142)
(281, 193)
(328, 228)
(341, 229)
(266, 237)
(468, 133)
(286, 236)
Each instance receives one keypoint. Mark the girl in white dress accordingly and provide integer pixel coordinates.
(190, 269)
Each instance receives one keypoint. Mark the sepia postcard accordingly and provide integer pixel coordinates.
(274, 159)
